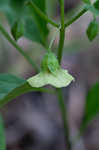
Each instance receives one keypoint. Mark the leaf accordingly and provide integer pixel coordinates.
(41, 23)
(96, 4)
(2, 135)
(31, 30)
(11, 87)
(87, 1)
(35, 28)
(12, 9)
(17, 29)
(61, 79)
(92, 30)
(92, 105)
(17, 6)
(4, 5)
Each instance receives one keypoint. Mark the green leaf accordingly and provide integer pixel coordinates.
(12, 9)
(96, 4)
(2, 135)
(41, 24)
(92, 105)
(87, 1)
(61, 79)
(35, 28)
(50, 63)
(17, 30)
(92, 30)
(11, 87)
(31, 30)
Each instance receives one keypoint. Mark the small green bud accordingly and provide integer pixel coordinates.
(50, 63)
(17, 30)
(93, 30)
(51, 74)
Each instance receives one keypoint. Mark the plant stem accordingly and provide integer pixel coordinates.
(18, 48)
(64, 117)
(61, 45)
(76, 17)
(62, 32)
(83, 11)
(62, 13)
(59, 91)
(41, 14)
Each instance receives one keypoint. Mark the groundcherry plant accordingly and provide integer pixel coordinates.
(28, 18)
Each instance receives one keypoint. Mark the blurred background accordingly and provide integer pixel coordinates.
(33, 121)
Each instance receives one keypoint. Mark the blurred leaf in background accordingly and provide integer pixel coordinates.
(91, 106)
(35, 28)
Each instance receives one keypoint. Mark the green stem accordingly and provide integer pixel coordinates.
(61, 45)
(62, 32)
(62, 13)
(64, 117)
(76, 17)
(83, 11)
(18, 48)
(41, 14)
(59, 91)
